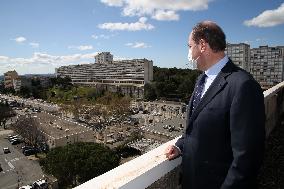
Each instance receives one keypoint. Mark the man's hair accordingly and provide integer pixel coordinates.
(211, 33)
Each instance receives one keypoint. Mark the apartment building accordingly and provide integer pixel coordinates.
(239, 54)
(125, 76)
(104, 57)
(267, 65)
(12, 80)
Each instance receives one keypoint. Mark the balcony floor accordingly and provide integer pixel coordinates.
(272, 171)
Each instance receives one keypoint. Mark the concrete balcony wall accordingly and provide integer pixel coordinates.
(274, 106)
(153, 171)
(139, 173)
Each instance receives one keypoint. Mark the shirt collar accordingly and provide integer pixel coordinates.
(214, 70)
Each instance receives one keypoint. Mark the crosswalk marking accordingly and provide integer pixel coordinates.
(11, 165)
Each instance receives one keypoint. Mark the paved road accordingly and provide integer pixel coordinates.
(34, 103)
(18, 170)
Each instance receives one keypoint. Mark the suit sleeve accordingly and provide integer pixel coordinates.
(180, 141)
(247, 128)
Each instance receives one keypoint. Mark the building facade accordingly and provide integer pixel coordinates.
(240, 54)
(125, 76)
(104, 57)
(12, 80)
(267, 65)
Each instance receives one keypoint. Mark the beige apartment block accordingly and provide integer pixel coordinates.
(126, 76)
(239, 54)
(267, 65)
(12, 80)
(264, 63)
(104, 57)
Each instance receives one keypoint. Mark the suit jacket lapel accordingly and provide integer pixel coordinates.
(218, 84)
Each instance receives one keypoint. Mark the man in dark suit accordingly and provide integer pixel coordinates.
(223, 143)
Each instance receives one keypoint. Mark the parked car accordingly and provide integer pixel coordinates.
(40, 184)
(16, 141)
(26, 187)
(29, 152)
(15, 137)
(44, 147)
(27, 148)
(6, 150)
(12, 137)
(1, 168)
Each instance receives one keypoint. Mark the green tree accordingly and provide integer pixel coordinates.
(150, 92)
(171, 84)
(6, 112)
(62, 82)
(25, 92)
(2, 87)
(77, 163)
(9, 90)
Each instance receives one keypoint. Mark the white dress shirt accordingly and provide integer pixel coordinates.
(212, 73)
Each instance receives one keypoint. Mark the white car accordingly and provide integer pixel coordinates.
(40, 184)
(6, 150)
(26, 187)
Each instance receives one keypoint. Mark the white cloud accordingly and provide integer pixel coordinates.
(113, 2)
(136, 26)
(95, 36)
(20, 39)
(102, 36)
(268, 18)
(118, 58)
(34, 45)
(88, 56)
(45, 61)
(138, 45)
(157, 7)
(85, 47)
(81, 47)
(260, 39)
(165, 15)
(247, 42)
(4, 59)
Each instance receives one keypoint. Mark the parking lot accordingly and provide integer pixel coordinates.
(18, 169)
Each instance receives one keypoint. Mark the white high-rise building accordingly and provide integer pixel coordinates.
(125, 76)
(104, 57)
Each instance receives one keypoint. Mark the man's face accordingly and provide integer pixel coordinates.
(191, 44)
(195, 52)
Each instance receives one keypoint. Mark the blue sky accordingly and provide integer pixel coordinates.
(36, 36)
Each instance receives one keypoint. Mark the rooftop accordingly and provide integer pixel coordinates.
(57, 127)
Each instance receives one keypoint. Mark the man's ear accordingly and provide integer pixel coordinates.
(203, 45)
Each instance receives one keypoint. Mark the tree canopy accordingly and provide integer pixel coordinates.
(171, 84)
(29, 128)
(6, 112)
(77, 163)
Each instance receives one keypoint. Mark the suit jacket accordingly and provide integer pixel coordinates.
(223, 144)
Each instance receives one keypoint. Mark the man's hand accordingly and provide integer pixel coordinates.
(172, 152)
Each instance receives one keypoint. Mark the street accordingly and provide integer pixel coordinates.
(18, 170)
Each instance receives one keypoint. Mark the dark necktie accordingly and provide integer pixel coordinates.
(198, 91)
